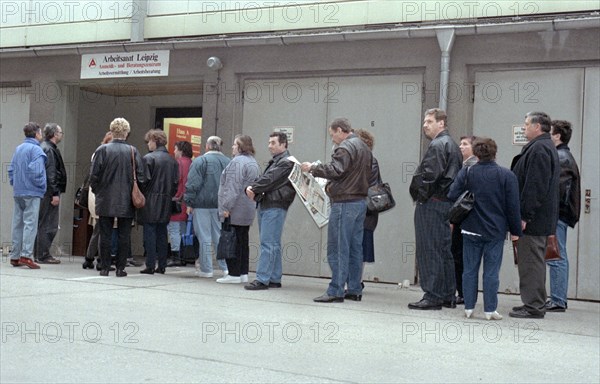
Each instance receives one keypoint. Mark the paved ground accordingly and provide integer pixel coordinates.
(63, 324)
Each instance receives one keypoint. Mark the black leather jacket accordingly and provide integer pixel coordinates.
(56, 174)
(538, 170)
(111, 178)
(437, 170)
(161, 172)
(348, 172)
(272, 188)
(569, 187)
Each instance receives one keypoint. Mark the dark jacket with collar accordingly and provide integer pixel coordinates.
(111, 178)
(496, 193)
(161, 173)
(273, 189)
(348, 172)
(56, 174)
(437, 170)
(537, 169)
(569, 187)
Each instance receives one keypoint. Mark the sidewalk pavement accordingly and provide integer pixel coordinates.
(63, 324)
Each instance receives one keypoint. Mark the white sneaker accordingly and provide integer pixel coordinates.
(493, 316)
(468, 313)
(207, 275)
(244, 278)
(230, 280)
(225, 273)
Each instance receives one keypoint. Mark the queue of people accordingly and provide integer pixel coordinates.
(538, 197)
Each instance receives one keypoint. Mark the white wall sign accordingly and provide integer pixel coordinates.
(519, 135)
(289, 131)
(125, 64)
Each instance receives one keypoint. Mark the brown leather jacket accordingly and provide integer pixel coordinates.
(348, 172)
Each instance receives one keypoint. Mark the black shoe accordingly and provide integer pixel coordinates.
(132, 263)
(160, 270)
(551, 307)
(88, 264)
(104, 272)
(449, 304)
(99, 267)
(274, 285)
(525, 314)
(325, 298)
(518, 308)
(175, 263)
(147, 271)
(256, 286)
(424, 304)
(121, 273)
(349, 296)
(48, 260)
(460, 300)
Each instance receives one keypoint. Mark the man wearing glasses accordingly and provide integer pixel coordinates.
(56, 180)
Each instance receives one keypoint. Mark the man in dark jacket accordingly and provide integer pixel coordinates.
(56, 177)
(348, 174)
(274, 193)
(429, 187)
(537, 170)
(111, 179)
(568, 214)
(161, 172)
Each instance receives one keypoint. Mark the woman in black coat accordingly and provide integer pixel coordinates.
(161, 173)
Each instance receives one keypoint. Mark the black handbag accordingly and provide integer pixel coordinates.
(175, 206)
(82, 194)
(379, 198)
(463, 205)
(227, 243)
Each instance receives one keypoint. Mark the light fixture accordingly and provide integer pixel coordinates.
(214, 63)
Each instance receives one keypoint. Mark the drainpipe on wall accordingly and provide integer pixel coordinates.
(140, 10)
(445, 39)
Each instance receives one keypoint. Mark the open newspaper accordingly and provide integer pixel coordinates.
(311, 191)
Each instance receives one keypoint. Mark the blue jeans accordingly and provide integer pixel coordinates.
(474, 248)
(559, 269)
(207, 228)
(344, 247)
(270, 225)
(24, 226)
(155, 244)
(175, 229)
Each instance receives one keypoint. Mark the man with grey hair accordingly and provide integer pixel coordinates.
(56, 176)
(201, 198)
(537, 169)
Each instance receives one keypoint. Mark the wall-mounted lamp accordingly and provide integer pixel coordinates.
(214, 63)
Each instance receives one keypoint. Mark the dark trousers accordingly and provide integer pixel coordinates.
(457, 254)
(124, 230)
(93, 248)
(156, 244)
(434, 258)
(240, 263)
(47, 228)
(532, 272)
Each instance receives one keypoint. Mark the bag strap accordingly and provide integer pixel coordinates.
(133, 164)
(467, 178)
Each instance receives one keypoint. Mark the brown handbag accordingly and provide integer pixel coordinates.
(137, 197)
(552, 251)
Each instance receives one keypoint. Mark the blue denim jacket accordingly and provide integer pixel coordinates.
(27, 169)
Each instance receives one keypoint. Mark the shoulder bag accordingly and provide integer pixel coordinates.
(463, 205)
(379, 198)
(137, 197)
(81, 196)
